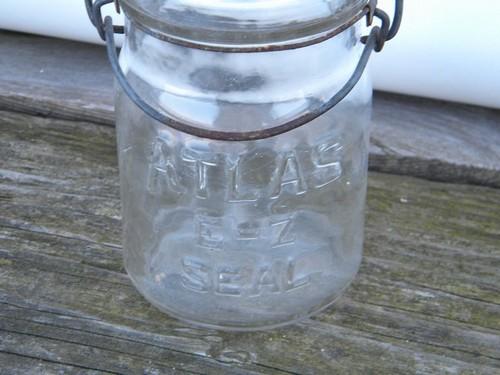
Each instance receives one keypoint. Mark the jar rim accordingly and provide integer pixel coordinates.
(242, 25)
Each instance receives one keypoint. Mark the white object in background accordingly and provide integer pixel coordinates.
(58, 18)
(446, 49)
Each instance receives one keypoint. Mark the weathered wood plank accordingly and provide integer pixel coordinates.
(425, 301)
(469, 344)
(17, 364)
(25, 149)
(54, 77)
(80, 347)
(435, 140)
(417, 137)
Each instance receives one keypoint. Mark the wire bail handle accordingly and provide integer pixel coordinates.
(375, 41)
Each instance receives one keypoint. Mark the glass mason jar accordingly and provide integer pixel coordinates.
(230, 222)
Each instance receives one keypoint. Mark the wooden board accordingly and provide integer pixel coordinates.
(426, 301)
(418, 137)
(55, 77)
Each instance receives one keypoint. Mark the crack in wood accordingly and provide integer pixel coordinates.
(58, 362)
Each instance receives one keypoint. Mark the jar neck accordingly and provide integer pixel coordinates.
(259, 89)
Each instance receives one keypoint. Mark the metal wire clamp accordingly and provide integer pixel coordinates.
(375, 41)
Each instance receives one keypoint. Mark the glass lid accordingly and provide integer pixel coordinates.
(242, 23)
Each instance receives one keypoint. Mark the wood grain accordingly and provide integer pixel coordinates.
(55, 77)
(412, 136)
(426, 301)
(436, 140)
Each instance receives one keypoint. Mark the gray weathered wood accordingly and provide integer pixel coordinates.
(418, 137)
(436, 140)
(426, 301)
(55, 77)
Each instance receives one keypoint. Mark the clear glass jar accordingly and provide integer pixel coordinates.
(253, 234)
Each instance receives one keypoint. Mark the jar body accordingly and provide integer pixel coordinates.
(242, 235)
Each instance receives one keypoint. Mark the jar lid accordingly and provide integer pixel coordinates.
(240, 24)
